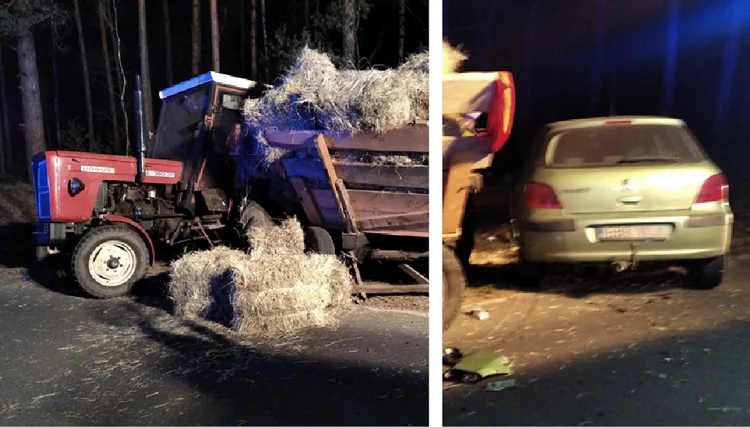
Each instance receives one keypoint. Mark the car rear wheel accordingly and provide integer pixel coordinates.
(109, 260)
(708, 273)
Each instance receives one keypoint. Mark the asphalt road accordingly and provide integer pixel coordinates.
(69, 360)
(596, 350)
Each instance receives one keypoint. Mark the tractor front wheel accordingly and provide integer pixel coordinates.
(109, 260)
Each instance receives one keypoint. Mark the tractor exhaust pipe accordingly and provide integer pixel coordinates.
(140, 131)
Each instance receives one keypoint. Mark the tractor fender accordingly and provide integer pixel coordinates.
(141, 230)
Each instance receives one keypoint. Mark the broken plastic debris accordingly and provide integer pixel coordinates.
(501, 385)
(479, 365)
(451, 356)
(480, 313)
(491, 238)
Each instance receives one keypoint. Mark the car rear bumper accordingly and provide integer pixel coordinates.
(566, 240)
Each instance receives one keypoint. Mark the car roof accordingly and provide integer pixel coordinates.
(614, 120)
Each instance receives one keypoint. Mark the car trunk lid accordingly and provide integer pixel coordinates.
(628, 188)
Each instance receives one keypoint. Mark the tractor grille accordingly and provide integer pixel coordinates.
(41, 189)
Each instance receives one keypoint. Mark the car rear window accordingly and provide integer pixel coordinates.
(622, 145)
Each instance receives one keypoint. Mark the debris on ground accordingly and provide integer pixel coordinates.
(275, 288)
(479, 365)
(501, 385)
(451, 356)
(479, 313)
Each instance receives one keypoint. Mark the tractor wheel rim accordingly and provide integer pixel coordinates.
(112, 263)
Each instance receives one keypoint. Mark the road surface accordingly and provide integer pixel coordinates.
(70, 360)
(629, 350)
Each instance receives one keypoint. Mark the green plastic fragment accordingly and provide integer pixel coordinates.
(501, 385)
(484, 363)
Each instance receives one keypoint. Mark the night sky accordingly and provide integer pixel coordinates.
(579, 58)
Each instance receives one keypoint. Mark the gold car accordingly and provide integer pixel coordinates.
(621, 190)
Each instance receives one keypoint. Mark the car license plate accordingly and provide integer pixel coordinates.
(635, 232)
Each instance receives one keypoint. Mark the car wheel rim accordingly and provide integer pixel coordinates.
(112, 263)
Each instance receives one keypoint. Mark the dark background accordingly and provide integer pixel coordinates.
(580, 58)
(377, 41)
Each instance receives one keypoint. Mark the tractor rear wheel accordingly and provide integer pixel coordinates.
(319, 241)
(109, 260)
(454, 285)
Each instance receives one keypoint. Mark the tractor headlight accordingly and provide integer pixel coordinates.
(75, 186)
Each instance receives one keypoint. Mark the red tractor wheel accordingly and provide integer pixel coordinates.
(109, 260)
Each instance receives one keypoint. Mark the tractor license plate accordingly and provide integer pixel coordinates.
(634, 232)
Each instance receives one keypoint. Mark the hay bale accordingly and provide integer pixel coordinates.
(287, 238)
(195, 277)
(279, 294)
(453, 58)
(314, 95)
(276, 288)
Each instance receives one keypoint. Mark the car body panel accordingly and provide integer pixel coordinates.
(622, 195)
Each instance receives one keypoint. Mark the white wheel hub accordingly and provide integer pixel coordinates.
(112, 263)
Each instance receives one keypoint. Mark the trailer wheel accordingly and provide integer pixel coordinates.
(319, 240)
(454, 285)
(108, 260)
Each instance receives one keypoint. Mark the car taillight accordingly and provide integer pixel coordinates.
(540, 196)
(714, 189)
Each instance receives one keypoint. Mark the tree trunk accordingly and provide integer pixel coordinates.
(4, 119)
(122, 83)
(3, 144)
(86, 79)
(243, 40)
(148, 114)
(31, 100)
(265, 37)
(253, 40)
(349, 29)
(307, 15)
(3, 162)
(56, 93)
(108, 73)
(215, 59)
(196, 37)
(401, 29)
(168, 43)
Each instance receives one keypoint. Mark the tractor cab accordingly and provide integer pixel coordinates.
(199, 126)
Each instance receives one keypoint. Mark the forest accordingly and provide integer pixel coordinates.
(67, 67)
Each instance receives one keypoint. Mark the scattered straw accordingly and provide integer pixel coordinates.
(453, 58)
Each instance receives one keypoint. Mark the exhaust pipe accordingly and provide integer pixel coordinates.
(618, 267)
(140, 131)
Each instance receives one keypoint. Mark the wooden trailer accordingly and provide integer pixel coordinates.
(492, 93)
(361, 201)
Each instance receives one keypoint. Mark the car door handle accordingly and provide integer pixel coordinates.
(629, 200)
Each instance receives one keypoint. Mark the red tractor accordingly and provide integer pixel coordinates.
(110, 213)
